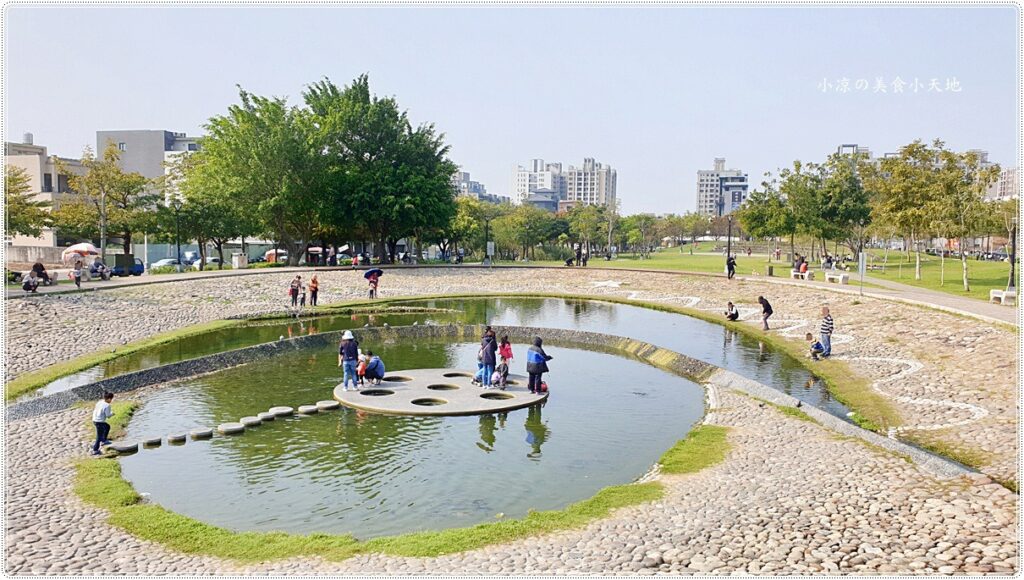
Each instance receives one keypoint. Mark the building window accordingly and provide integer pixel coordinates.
(122, 147)
(47, 183)
(193, 147)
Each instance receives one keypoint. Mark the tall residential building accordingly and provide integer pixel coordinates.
(466, 186)
(592, 184)
(45, 181)
(720, 191)
(536, 176)
(1008, 186)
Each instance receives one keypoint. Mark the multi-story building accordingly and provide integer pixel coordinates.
(537, 176)
(592, 184)
(466, 186)
(544, 199)
(1008, 186)
(720, 191)
(854, 149)
(146, 151)
(46, 181)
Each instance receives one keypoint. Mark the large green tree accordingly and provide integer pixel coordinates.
(24, 215)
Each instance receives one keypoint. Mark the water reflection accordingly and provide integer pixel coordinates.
(537, 431)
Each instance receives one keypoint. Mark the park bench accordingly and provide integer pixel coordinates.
(839, 277)
(1004, 297)
(797, 275)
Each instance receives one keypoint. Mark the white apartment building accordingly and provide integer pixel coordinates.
(48, 184)
(1008, 186)
(537, 175)
(720, 191)
(592, 184)
(466, 186)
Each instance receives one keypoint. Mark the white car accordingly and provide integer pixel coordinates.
(211, 262)
(164, 262)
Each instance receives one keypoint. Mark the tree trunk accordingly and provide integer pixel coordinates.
(963, 264)
(220, 253)
(917, 263)
(202, 253)
(942, 267)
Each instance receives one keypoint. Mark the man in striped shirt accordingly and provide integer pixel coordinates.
(826, 332)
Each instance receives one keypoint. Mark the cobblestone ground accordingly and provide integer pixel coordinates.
(790, 498)
(952, 378)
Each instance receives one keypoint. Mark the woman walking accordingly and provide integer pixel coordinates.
(536, 364)
(766, 310)
(314, 287)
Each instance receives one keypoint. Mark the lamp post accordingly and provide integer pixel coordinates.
(176, 204)
(728, 242)
(487, 239)
(1013, 256)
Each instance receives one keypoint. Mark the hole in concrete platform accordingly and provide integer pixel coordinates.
(511, 382)
(455, 374)
(496, 396)
(442, 387)
(429, 402)
(397, 378)
(376, 392)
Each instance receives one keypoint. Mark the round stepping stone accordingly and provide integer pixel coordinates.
(308, 409)
(282, 411)
(176, 438)
(152, 442)
(250, 421)
(265, 416)
(230, 428)
(123, 448)
(201, 433)
(327, 405)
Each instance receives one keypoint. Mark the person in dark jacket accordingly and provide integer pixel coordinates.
(536, 364)
(730, 266)
(488, 348)
(348, 357)
(766, 310)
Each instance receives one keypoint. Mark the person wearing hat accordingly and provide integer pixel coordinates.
(348, 357)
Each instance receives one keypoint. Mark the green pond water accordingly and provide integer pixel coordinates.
(608, 419)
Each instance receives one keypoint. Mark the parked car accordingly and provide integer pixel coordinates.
(211, 261)
(135, 269)
(164, 262)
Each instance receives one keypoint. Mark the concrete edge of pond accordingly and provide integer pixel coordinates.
(930, 463)
(698, 371)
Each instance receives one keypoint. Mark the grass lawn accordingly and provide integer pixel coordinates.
(982, 275)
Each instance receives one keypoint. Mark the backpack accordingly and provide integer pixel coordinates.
(543, 387)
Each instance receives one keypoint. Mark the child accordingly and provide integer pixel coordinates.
(76, 274)
(816, 347)
(500, 377)
(373, 284)
(361, 367)
(505, 349)
(100, 414)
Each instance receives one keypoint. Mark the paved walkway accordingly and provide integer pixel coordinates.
(891, 290)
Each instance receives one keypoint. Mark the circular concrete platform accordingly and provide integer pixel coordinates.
(437, 392)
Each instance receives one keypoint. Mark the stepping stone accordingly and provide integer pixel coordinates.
(230, 428)
(265, 416)
(308, 409)
(250, 421)
(201, 433)
(122, 448)
(152, 442)
(327, 405)
(176, 438)
(282, 411)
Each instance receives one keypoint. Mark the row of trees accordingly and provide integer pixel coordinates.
(926, 191)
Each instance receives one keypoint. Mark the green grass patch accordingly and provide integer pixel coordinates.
(99, 482)
(873, 447)
(31, 381)
(938, 442)
(704, 446)
(788, 411)
(982, 275)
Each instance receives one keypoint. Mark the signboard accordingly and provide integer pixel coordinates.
(490, 249)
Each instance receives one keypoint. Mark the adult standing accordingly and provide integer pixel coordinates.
(488, 348)
(348, 358)
(314, 287)
(730, 266)
(579, 255)
(374, 368)
(766, 310)
(536, 364)
(293, 290)
(827, 325)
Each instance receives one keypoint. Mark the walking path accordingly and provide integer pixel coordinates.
(892, 290)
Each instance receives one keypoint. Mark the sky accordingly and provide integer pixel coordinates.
(656, 92)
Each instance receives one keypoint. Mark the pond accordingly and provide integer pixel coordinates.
(706, 341)
(607, 421)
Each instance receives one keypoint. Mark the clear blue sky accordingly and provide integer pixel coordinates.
(657, 92)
